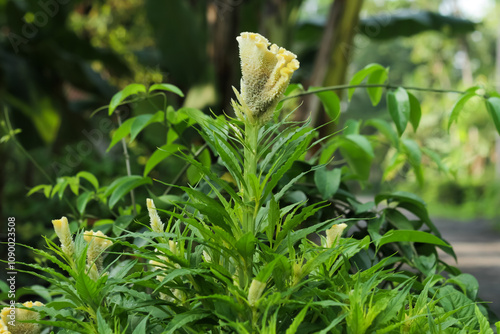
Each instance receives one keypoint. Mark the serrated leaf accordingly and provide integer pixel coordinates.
(125, 186)
(377, 77)
(89, 177)
(457, 108)
(166, 87)
(327, 181)
(102, 325)
(161, 154)
(361, 75)
(119, 97)
(493, 107)
(182, 319)
(398, 104)
(415, 111)
(141, 327)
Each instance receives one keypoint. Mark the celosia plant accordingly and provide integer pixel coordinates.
(235, 255)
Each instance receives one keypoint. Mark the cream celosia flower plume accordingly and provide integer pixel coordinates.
(97, 245)
(61, 227)
(9, 317)
(266, 73)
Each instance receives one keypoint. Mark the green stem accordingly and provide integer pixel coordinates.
(386, 86)
(127, 165)
(250, 174)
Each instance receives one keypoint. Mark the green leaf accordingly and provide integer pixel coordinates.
(415, 111)
(119, 97)
(467, 283)
(358, 152)
(74, 184)
(125, 186)
(484, 324)
(398, 104)
(362, 142)
(267, 270)
(413, 151)
(82, 200)
(493, 107)
(140, 122)
(377, 77)
(297, 321)
(246, 245)
(330, 101)
(121, 132)
(386, 129)
(182, 319)
(166, 87)
(361, 75)
(327, 181)
(102, 325)
(161, 154)
(411, 236)
(89, 177)
(141, 327)
(436, 158)
(45, 187)
(457, 108)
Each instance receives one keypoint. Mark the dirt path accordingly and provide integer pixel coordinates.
(477, 247)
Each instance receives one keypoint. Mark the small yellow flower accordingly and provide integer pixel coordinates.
(156, 223)
(9, 317)
(97, 244)
(333, 234)
(255, 291)
(266, 73)
(61, 227)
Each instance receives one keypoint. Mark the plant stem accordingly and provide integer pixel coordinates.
(249, 175)
(386, 86)
(127, 164)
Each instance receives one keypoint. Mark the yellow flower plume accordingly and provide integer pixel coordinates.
(61, 227)
(9, 320)
(266, 73)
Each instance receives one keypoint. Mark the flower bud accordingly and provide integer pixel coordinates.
(255, 291)
(156, 224)
(61, 227)
(266, 73)
(97, 244)
(297, 273)
(333, 234)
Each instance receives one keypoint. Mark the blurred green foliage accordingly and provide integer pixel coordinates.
(55, 72)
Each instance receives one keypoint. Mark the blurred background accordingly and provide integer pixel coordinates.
(60, 60)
